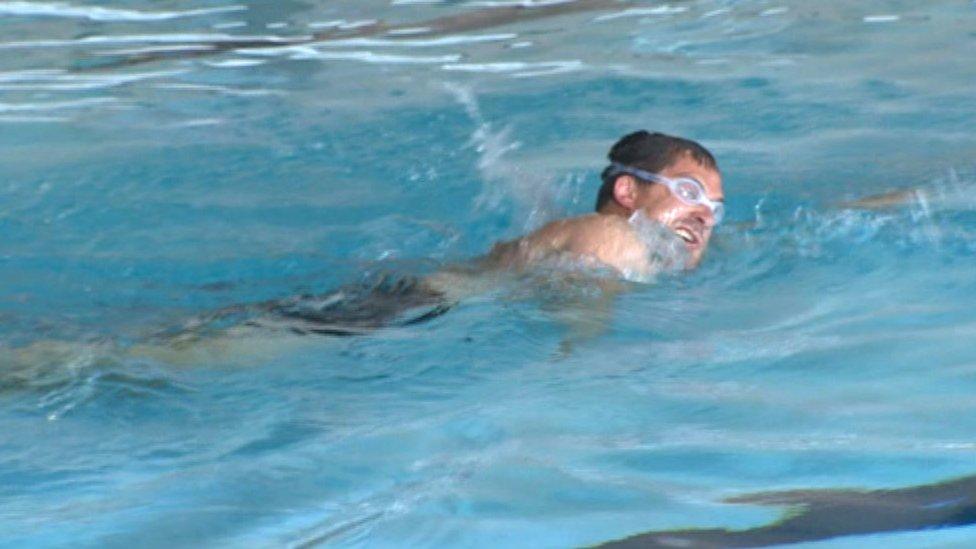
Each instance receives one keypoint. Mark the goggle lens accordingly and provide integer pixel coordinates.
(693, 193)
(689, 190)
(718, 212)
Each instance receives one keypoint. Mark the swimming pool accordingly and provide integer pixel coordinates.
(149, 175)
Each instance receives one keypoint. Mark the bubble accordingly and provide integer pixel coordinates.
(666, 252)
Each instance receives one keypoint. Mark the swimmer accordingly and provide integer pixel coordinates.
(658, 192)
(660, 198)
(652, 178)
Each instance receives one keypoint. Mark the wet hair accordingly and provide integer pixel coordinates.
(652, 152)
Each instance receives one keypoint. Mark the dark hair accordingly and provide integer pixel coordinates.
(652, 152)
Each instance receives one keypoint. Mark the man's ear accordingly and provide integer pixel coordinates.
(625, 191)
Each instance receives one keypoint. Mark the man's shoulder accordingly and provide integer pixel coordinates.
(587, 233)
(608, 238)
(583, 227)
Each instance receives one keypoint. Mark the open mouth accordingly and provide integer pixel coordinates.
(691, 238)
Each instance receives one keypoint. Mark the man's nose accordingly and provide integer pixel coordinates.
(703, 214)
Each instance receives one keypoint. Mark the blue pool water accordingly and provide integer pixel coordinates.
(146, 180)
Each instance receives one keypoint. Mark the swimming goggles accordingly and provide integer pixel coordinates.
(687, 189)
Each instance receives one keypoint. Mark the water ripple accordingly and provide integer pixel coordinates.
(450, 40)
(641, 12)
(518, 3)
(32, 119)
(55, 105)
(53, 80)
(92, 13)
(171, 38)
(67, 377)
(222, 90)
(309, 53)
(234, 63)
(519, 68)
(176, 48)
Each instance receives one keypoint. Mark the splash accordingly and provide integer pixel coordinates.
(534, 196)
(922, 210)
(666, 252)
(952, 192)
(933, 222)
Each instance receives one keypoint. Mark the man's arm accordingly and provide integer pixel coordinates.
(892, 199)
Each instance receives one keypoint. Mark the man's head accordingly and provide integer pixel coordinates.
(673, 158)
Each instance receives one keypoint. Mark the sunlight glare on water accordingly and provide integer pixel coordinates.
(162, 162)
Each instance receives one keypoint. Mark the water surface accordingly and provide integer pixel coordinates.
(148, 175)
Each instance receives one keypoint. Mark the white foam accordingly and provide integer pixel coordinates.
(157, 49)
(774, 11)
(665, 250)
(500, 177)
(640, 12)
(152, 39)
(712, 61)
(547, 69)
(886, 18)
(223, 90)
(308, 52)
(519, 67)
(234, 63)
(419, 42)
(62, 81)
(503, 179)
(31, 74)
(31, 119)
(228, 25)
(62, 9)
(713, 13)
(408, 31)
(198, 122)
(509, 66)
(55, 105)
(518, 3)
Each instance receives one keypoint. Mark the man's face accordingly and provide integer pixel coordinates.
(693, 223)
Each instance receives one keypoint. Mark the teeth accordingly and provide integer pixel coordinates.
(685, 234)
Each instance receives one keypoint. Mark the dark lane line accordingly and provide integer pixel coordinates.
(822, 514)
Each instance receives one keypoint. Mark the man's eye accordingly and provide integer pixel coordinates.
(688, 191)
